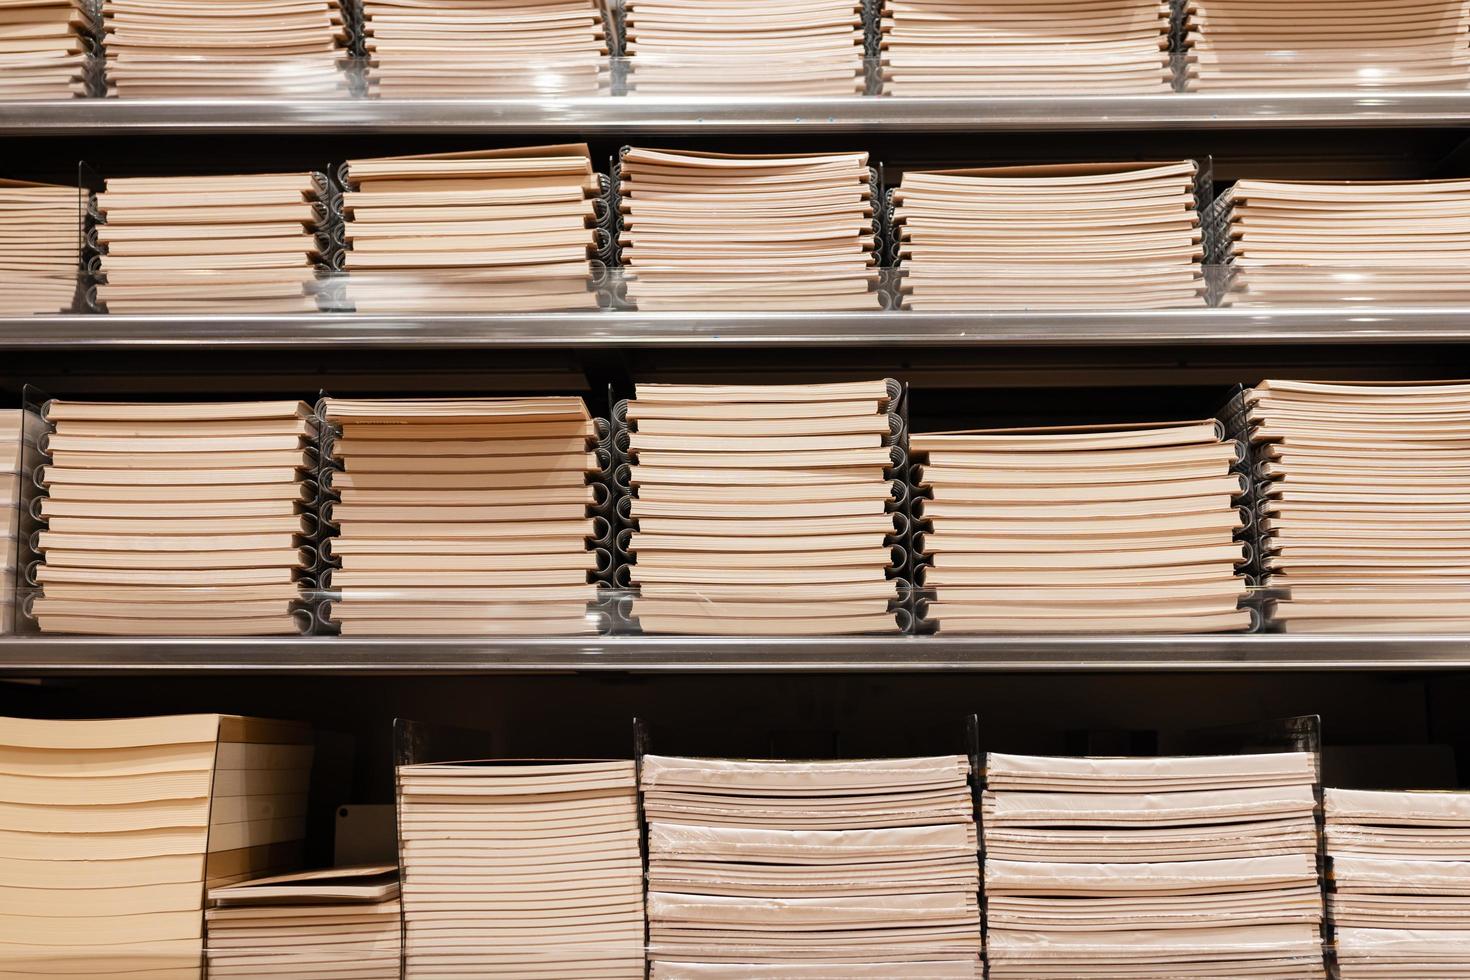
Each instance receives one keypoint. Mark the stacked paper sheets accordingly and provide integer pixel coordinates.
(1367, 504)
(785, 870)
(1152, 867)
(181, 519)
(181, 244)
(776, 47)
(504, 230)
(40, 246)
(1060, 236)
(770, 232)
(110, 832)
(1013, 47)
(486, 48)
(1356, 241)
(336, 923)
(463, 515)
(521, 870)
(44, 48)
(1243, 45)
(240, 49)
(1400, 869)
(762, 509)
(12, 461)
(1090, 529)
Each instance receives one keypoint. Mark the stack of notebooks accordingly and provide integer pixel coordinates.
(786, 870)
(1400, 874)
(1243, 45)
(174, 519)
(1009, 47)
(769, 232)
(762, 509)
(248, 243)
(243, 49)
(504, 230)
(1202, 866)
(1059, 236)
(12, 466)
(463, 515)
(1079, 530)
(1366, 504)
(336, 924)
(486, 48)
(110, 832)
(1351, 241)
(521, 870)
(776, 47)
(44, 48)
(40, 247)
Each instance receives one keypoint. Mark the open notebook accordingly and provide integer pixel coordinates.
(112, 830)
(463, 515)
(45, 48)
(786, 869)
(1014, 47)
(1056, 236)
(40, 246)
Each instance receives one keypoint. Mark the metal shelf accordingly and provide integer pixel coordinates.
(1226, 326)
(61, 656)
(685, 116)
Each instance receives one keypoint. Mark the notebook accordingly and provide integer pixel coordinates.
(45, 48)
(40, 244)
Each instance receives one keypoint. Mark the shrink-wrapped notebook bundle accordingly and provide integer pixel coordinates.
(762, 509)
(464, 515)
(174, 518)
(12, 462)
(1365, 504)
(333, 924)
(1201, 866)
(242, 49)
(785, 870)
(1345, 242)
(521, 869)
(181, 244)
(506, 230)
(777, 47)
(1244, 45)
(766, 232)
(1011, 47)
(1399, 867)
(1126, 528)
(486, 48)
(112, 830)
(1058, 236)
(40, 247)
(45, 48)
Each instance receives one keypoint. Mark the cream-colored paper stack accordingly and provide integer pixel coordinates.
(1079, 530)
(182, 244)
(521, 870)
(1367, 504)
(1201, 866)
(12, 462)
(43, 51)
(464, 515)
(486, 48)
(784, 870)
(1399, 864)
(1013, 47)
(174, 519)
(112, 830)
(713, 47)
(1059, 236)
(1245, 45)
(770, 232)
(264, 49)
(1350, 241)
(762, 509)
(504, 230)
(40, 247)
(313, 925)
